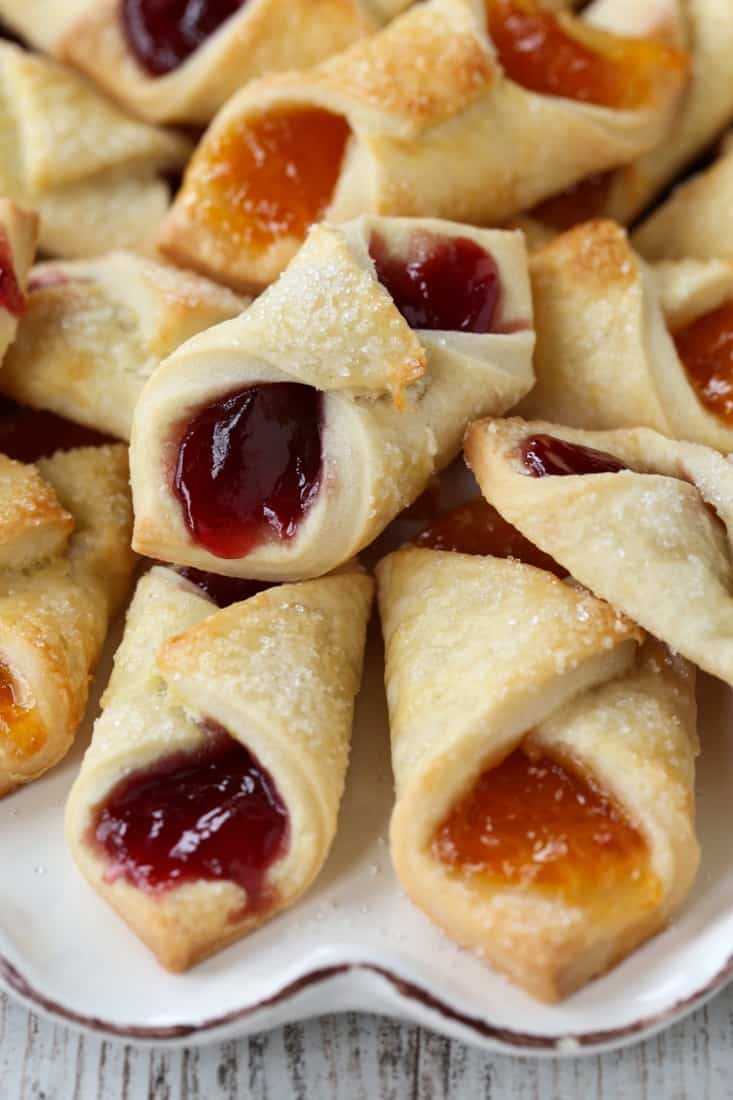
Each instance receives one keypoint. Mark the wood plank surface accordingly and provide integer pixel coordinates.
(359, 1057)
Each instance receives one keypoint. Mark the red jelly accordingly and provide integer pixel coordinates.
(214, 815)
(447, 283)
(545, 455)
(162, 34)
(477, 528)
(29, 434)
(224, 591)
(249, 465)
(579, 203)
(11, 296)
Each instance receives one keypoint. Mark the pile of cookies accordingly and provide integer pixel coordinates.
(266, 268)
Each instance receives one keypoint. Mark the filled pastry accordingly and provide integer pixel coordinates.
(641, 520)
(94, 331)
(18, 239)
(544, 766)
(279, 444)
(181, 61)
(240, 716)
(493, 129)
(704, 28)
(620, 344)
(697, 218)
(65, 565)
(91, 172)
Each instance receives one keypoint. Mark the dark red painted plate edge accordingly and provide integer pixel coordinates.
(515, 1042)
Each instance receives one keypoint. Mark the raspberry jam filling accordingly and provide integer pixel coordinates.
(531, 822)
(29, 434)
(477, 528)
(582, 202)
(11, 296)
(21, 728)
(224, 591)
(249, 466)
(268, 178)
(162, 34)
(447, 283)
(211, 815)
(705, 348)
(548, 456)
(555, 55)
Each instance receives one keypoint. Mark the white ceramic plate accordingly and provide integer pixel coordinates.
(354, 942)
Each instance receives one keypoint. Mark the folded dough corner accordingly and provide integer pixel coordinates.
(277, 445)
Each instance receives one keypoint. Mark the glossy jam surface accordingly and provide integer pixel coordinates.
(30, 434)
(11, 296)
(531, 822)
(477, 528)
(224, 591)
(580, 203)
(553, 55)
(706, 349)
(546, 455)
(21, 728)
(268, 178)
(447, 283)
(213, 815)
(249, 466)
(164, 33)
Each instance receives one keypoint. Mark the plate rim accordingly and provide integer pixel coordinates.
(476, 1031)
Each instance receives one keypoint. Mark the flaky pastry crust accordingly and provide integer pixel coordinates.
(396, 399)
(605, 354)
(653, 539)
(91, 172)
(18, 240)
(95, 330)
(265, 36)
(54, 613)
(456, 145)
(484, 655)
(279, 673)
(696, 220)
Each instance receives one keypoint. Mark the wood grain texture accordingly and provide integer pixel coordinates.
(359, 1057)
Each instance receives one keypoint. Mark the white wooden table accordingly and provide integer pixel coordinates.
(359, 1057)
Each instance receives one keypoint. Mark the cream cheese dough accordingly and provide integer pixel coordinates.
(242, 713)
(524, 712)
(615, 346)
(641, 520)
(355, 407)
(93, 331)
(92, 173)
(64, 572)
(469, 142)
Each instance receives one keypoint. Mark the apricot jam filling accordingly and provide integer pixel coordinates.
(21, 728)
(477, 528)
(447, 283)
(268, 178)
(533, 823)
(213, 815)
(11, 296)
(556, 55)
(162, 34)
(705, 348)
(547, 456)
(249, 466)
